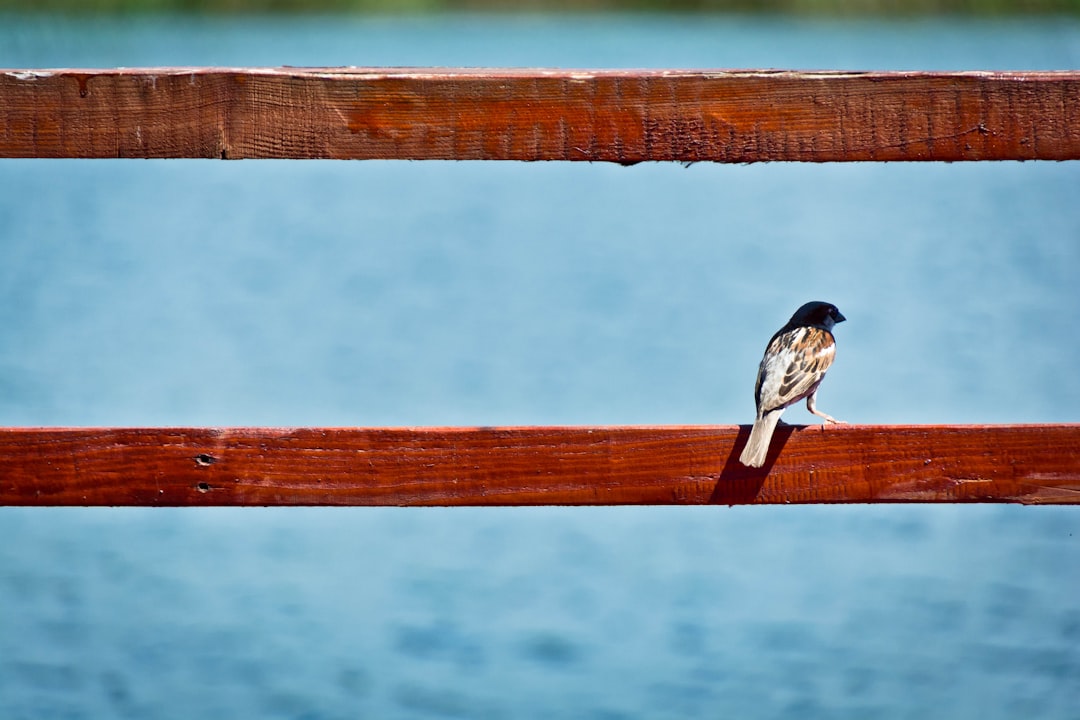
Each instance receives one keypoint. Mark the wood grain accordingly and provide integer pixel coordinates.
(623, 116)
(1038, 464)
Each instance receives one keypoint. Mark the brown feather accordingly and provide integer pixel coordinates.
(808, 353)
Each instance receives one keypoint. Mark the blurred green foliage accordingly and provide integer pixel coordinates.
(816, 7)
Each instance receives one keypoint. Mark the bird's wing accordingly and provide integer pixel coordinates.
(794, 364)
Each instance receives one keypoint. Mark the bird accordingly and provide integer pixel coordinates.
(793, 367)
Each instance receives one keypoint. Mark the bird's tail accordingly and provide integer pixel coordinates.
(757, 446)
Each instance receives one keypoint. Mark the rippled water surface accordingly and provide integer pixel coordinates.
(320, 293)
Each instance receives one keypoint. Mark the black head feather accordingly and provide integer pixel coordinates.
(816, 314)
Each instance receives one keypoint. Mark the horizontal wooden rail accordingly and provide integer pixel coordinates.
(623, 116)
(1038, 464)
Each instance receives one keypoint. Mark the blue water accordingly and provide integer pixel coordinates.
(379, 293)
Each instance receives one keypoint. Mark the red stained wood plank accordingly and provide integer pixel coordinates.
(1037, 464)
(624, 116)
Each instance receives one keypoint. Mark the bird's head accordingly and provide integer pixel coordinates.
(817, 314)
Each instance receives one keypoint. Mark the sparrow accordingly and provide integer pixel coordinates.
(793, 367)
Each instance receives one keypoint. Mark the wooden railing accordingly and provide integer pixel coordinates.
(617, 116)
(1037, 464)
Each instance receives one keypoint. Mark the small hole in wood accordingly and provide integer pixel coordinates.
(203, 487)
(204, 459)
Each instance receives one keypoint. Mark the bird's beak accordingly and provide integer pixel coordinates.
(840, 317)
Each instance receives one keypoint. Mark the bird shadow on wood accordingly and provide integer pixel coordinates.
(740, 485)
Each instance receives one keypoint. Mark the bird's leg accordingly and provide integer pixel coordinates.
(811, 405)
